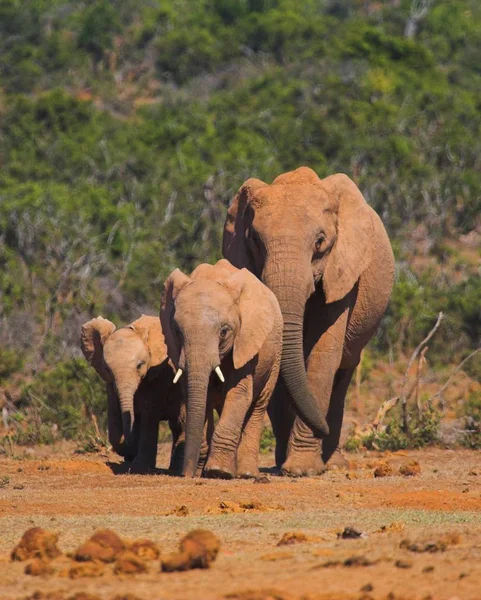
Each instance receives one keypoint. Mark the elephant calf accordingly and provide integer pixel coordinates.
(222, 322)
(133, 362)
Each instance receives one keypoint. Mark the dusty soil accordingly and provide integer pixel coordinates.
(421, 534)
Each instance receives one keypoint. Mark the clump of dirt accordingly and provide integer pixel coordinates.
(349, 533)
(129, 563)
(274, 556)
(292, 537)
(178, 511)
(36, 543)
(352, 561)
(403, 564)
(38, 595)
(103, 546)
(86, 569)
(198, 549)
(431, 546)
(383, 469)
(410, 469)
(265, 594)
(393, 527)
(226, 507)
(78, 596)
(145, 549)
(262, 479)
(39, 566)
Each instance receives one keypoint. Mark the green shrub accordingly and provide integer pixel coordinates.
(471, 437)
(60, 404)
(423, 431)
(10, 362)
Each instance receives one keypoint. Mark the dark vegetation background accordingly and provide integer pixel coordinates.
(126, 126)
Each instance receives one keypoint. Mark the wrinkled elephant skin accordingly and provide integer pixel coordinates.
(133, 362)
(326, 256)
(223, 329)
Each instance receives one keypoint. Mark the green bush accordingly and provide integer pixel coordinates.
(471, 437)
(423, 431)
(127, 127)
(10, 362)
(60, 404)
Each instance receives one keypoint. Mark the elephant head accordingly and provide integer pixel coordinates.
(295, 234)
(123, 358)
(218, 316)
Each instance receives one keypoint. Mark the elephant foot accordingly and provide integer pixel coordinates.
(221, 465)
(218, 472)
(139, 467)
(337, 461)
(303, 464)
(246, 472)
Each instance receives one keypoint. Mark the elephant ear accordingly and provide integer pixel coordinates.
(234, 247)
(257, 314)
(173, 284)
(92, 338)
(150, 331)
(352, 251)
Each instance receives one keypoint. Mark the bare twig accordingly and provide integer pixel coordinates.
(383, 410)
(414, 356)
(456, 370)
(420, 365)
(96, 426)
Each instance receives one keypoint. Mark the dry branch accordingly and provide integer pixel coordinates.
(458, 368)
(414, 356)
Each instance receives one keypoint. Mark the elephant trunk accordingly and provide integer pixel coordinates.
(292, 292)
(197, 385)
(126, 398)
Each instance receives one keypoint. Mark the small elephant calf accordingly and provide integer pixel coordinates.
(223, 323)
(133, 362)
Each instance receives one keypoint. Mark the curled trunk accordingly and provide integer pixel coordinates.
(289, 289)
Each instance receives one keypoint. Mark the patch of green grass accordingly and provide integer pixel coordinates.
(268, 441)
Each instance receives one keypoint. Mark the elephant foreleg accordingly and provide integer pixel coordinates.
(248, 451)
(206, 440)
(227, 433)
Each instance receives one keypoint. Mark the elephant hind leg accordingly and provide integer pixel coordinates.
(335, 414)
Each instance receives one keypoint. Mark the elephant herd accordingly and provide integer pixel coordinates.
(277, 325)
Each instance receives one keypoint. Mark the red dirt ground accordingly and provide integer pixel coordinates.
(439, 509)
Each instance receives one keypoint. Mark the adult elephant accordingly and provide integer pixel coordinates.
(325, 254)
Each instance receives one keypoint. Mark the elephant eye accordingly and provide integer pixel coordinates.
(224, 331)
(320, 240)
(140, 364)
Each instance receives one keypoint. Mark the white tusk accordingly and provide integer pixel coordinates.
(178, 375)
(219, 374)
